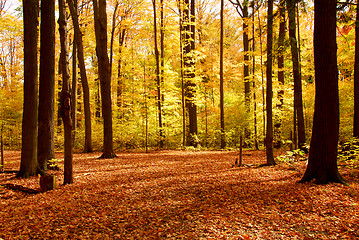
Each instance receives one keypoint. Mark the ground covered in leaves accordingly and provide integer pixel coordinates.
(178, 195)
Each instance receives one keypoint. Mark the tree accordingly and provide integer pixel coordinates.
(28, 165)
(269, 133)
(223, 142)
(83, 75)
(158, 77)
(322, 163)
(356, 76)
(47, 85)
(100, 17)
(298, 102)
(189, 69)
(65, 100)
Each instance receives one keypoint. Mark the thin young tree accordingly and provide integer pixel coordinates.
(65, 100)
(269, 133)
(85, 87)
(322, 163)
(46, 146)
(100, 17)
(298, 101)
(158, 77)
(223, 140)
(28, 164)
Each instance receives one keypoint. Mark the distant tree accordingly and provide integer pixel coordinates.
(269, 133)
(322, 163)
(223, 142)
(100, 17)
(28, 165)
(47, 85)
(85, 88)
(356, 76)
(65, 100)
(298, 102)
(158, 76)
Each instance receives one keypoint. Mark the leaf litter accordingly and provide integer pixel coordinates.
(179, 195)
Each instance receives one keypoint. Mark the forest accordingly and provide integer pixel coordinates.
(176, 119)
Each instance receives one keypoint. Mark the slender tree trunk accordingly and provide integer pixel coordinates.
(280, 59)
(247, 94)
(189, 70)
(120, 81)
(28, 165)
(46, 111)
(262, 75)
(223, 141)
(104, 75)
(65, 95)
(180, 9)
(113, 28)
(74, 90)
(298, 102)
(269, 133)
(158, 77)
(356, 77)
(322, 163)
(83, 75)
(254, 79)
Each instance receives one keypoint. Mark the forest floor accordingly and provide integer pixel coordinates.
(178, 195)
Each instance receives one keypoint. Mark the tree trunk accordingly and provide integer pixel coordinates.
(104, 75)
(269, 133)
(322, 163)
(113, 28)
(158, 77)
(254, 79)
(180, 9)
(356, 77)
(74, 90)
(223, 142)
(189, 70)
(298, 102)
(83, 75)
(28, 165)
(247, 94)
(47, 86)
(65, 95)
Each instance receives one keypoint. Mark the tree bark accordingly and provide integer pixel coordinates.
(298, 102)
(83, 75)
(65, 95)
(46, 111)
(104, 75)
(322, 163)
(28, 165)
(356, 77)
(269, 133)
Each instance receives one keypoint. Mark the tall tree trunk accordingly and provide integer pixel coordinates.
(269, 133)
(262, 75)
(28, 165)
(158, 77)
(180, 9)
(46, 111)
(74, 90)
(104, 75)
(223, 142)
(113, 28)
(280, 96)
(65, 95)
(189, 70)
(120, 81)
(83, 75)
(246, 77)
(254, 78)
(298, 102)
(322, 163)
(356, 77)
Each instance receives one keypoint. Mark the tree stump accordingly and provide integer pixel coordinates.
(47, 182)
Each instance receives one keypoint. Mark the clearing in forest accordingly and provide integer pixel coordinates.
(178, 195)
